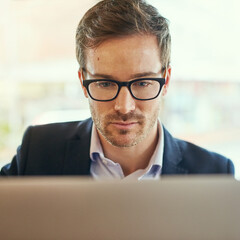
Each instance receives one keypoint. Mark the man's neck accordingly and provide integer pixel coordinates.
(132, 158)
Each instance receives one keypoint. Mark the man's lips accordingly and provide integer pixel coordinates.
(124, 125)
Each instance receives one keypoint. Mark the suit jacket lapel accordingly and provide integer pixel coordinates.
(172, 156)
(77, 160)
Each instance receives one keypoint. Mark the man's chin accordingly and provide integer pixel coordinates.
(123, 144)
(123, 140)
(123, 132)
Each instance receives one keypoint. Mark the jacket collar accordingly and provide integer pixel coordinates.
(77, 160)
(172, 156)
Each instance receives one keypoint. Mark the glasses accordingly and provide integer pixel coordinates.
(107, 90)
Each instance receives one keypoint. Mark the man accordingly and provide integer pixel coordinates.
(123, 48)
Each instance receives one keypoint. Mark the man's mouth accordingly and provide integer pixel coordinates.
(124, 125)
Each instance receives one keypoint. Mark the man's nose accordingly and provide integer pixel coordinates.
(124, 103)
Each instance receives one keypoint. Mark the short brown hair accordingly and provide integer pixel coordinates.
(115, 18)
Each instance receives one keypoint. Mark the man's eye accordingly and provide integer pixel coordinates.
(104, 84)
(142, 84)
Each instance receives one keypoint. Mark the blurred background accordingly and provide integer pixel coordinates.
(39, 83)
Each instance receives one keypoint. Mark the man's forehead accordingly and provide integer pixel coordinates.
(133, 54)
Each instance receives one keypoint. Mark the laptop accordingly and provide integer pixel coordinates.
(174, 208)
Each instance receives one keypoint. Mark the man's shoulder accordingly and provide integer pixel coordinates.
(191, 149)
(199, 158)
(64, 129)
(194, 158)
(53, 149)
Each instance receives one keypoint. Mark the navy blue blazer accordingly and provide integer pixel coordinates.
(63, 149)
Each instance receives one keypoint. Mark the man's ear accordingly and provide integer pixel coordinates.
(81, 78)
(167, 76)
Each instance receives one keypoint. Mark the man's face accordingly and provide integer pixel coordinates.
(125, 121)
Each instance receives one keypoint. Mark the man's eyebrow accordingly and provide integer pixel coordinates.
(144, 74)
(133, 76)
(100, 75)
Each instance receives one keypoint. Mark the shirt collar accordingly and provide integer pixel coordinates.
(95, 147)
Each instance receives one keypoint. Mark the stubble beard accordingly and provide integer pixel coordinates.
(146, 125)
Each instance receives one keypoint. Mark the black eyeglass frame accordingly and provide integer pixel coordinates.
(86, 83)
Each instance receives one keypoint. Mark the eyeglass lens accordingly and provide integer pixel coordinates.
(106, 90)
